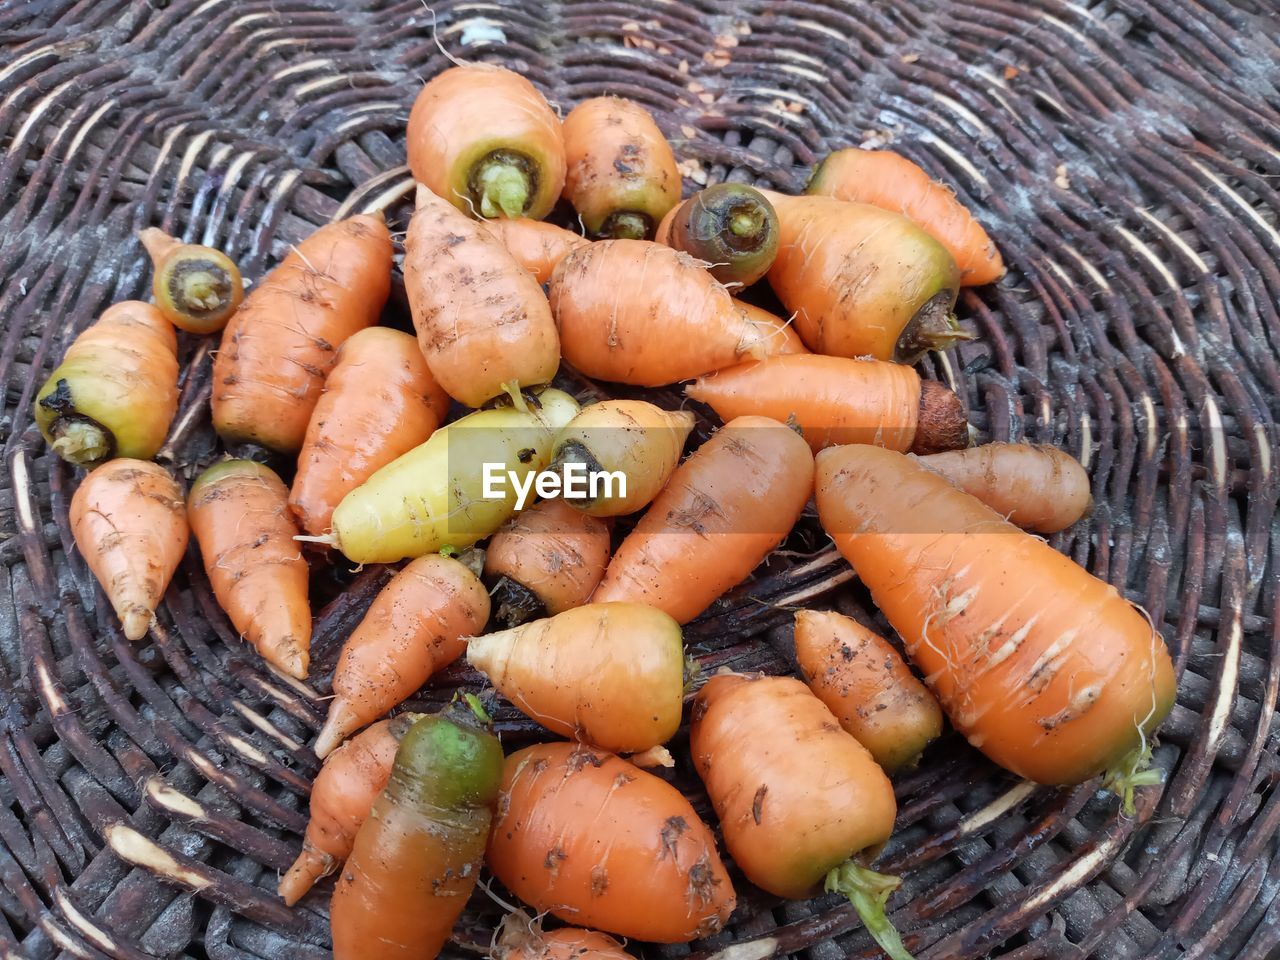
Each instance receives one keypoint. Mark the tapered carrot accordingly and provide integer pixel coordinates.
(593, 839)
(116, 390)
(864, 682)
(521, 937)
(130, 524)
(778, 336)
(892, 182)
(535, 245)
(836, 400)
(240, 516)
(197, 288)
(1043, 667)
(623, 306)
(413, 628)
(727, 506)
(545, 560)
(482, 321)
(282, 342)
(379, 401)
(1040, 488)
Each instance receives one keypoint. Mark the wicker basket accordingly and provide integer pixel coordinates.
(1123, 152)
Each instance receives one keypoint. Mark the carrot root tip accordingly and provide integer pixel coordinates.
(1133, 771)
(136, 621)
(328, 539)
(869, 891)
(340, 723)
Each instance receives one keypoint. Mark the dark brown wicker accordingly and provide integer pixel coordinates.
(1125, 154)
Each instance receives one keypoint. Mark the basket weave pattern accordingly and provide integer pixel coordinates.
(1125, 154)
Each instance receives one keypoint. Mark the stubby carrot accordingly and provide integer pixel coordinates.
(1043, 667)
(116, 390)
(535, 245)
(413, 628)
(621, 176)
(593, 839)
(836, 400)
(484, 139)
(129, 519)
(730, 226)
(892, 182)
(197, 288)
(240, 516)
(379, 401)
(521, 937)
(282, 342)
(863, 681)
(734, 500)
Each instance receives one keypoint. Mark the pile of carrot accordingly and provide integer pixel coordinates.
(348, 441)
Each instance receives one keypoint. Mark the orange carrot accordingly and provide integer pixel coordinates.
(413, 628)
(535, 245)
(1040, 488)
(865, 683)
(595, 840)
(836, 400)
(724, 510)
(282, 342)
(546, 559)
(130, 524)
(197, 288)
(240, 517)
(486, 141)
(623, 305)
(778, 336)
(482, 321)
(622, 176)
(379, 401)
(892, 182)
(521, 937)
(1046, 669)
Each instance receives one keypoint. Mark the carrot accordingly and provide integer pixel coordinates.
(1044, 668)
(864, 682)
(724, 510)
(282, 342)
(482, 321)
(622, 176)
(116, 390)
(546, 559)
(521, 937)
(863, 281)
(130, 525)
(800, 801)
(535, 245)
(730, 226)
(413, 628)
(197, 288)
(892, 182)
(1040, 488)
(484, 139)
(417, 856)
(609, 674)
(240, 517)
(379, 401)
(623, 306)
(436, 495)
(341, 797)
(635, 440)
(836, 400)
(595, 840)
(662, 233)
(778, 336)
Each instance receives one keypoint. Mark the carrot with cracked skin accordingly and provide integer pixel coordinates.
(414, 627)
(725, 509)
(836, 400)
(636, 312)
(535, 245)
(116, 390)
(865, 683)
(197, 288)
(521, 937)
(573, 822)
(1037, 487)
(239, 513)
(545, 560)
(482, 321)
(608, 674)
(621, 176)
(379, 401)
(281, 344)
(129, 519)
(802, 804)
(341, 797)
(484, 139)
(1043, 667)
(892, 182)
